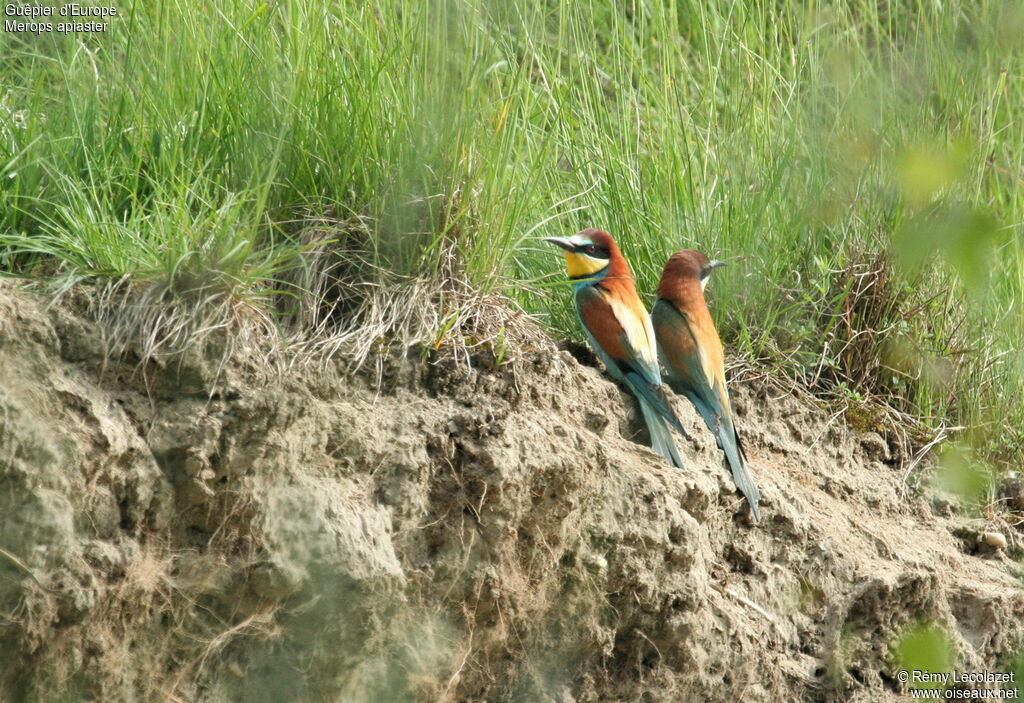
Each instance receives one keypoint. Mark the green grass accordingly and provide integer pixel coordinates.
(860, 165)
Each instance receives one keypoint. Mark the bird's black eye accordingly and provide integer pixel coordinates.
(591, 250)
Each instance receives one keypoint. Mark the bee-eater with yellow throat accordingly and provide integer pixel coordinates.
(619, 329)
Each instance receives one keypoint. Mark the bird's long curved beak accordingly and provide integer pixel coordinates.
(559, 241)
(705, 273)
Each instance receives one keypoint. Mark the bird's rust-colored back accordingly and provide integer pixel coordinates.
(681, 285)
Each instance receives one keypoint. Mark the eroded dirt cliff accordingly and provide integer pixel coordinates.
(192, 531)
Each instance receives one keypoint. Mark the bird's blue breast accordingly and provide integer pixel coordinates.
(591, 280)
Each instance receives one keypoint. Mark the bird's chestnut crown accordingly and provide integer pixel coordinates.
(689, 265)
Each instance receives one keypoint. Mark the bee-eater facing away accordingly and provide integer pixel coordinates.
(619, 329)
(691, 350)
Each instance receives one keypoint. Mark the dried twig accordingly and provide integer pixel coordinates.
(725, 590)
(25, 568)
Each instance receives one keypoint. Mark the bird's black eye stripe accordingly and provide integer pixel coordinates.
(598, 252)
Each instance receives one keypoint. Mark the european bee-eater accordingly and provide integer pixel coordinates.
(691, 350)
(619, 329)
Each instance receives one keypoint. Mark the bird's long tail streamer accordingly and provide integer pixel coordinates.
(729, 441)
(661, 434)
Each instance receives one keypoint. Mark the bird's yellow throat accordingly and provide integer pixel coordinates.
(581, 265)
